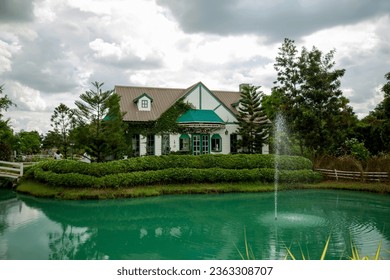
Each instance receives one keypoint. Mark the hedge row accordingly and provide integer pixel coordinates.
(239, 161)
(173, 175)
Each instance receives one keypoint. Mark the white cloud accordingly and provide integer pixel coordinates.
(58, 47)
(25, 97)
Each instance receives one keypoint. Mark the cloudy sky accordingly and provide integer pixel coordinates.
(51, 50)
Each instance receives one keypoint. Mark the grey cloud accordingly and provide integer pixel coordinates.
(16, 10)
(44, 65)
(274, 19)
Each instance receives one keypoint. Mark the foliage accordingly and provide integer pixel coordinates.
(379, 163)
(357, 149)
(166, 123)
(346, 163)
(63, 121)
(308, 93)
(100, 129)
(251, 119)
(171, 176)
(5, 102)
(374, 129)
(173, 169)
(6, 133)
(28, 142)
(148, 163)
(6, 141)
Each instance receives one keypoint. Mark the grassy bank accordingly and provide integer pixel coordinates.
(46, 191)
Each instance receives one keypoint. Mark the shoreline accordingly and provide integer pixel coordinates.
(45, 191)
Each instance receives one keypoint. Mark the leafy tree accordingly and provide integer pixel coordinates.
(5, 102)
(7, 139)
(356, 149)
(51, 140)
(308, 93)
(374, 129)
(251, 119)
(63, 122)
(114, 129)
(98, 113)
(29, 142)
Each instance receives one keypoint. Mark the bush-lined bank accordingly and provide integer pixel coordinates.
(147, 163)
(46, 191)
(173, 170)
(173, 176)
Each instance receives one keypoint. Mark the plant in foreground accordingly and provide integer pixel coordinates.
(249, 255)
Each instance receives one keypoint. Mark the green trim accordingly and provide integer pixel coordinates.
(186, 138)
(199, 116)
(216, 137)
(200, 143)
(142, 95)
(220, 104)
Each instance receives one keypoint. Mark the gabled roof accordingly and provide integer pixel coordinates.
(163, 99)
(199, 116)
(142, 95)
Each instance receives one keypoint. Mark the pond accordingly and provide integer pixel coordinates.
(195, 226)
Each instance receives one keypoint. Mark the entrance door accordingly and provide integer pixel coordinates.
(205, 144)
(200, 144)
(196, 144)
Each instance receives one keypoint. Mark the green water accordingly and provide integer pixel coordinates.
(195, 227)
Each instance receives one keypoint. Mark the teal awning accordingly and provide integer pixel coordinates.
(200, 116)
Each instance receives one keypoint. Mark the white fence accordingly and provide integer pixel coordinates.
(353, 175)
(13, 169)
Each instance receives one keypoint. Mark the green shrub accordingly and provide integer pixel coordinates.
(148, 163)
(169, 169)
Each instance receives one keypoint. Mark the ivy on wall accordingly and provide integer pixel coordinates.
(165, 124)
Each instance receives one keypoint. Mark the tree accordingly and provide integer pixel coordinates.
(114, 129)
(7, 138)
(374, 129)
(309, 95)
(63, 122)
(251, 119)
(29, 142)
(98, 112)
(5, 102)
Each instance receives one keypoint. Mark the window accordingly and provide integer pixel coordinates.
(233, 143)
(150, 144)
(135, 145)
(165, 147)
(144, 104)
(216, 143)
(184, 142)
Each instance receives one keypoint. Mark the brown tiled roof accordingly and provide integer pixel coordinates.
(163, 99)
(228, 98)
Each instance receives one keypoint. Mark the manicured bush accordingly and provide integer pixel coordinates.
(173, 175)
(148, 163)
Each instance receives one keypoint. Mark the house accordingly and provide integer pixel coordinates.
(208, 127)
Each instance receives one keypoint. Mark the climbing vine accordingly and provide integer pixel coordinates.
(165, 124)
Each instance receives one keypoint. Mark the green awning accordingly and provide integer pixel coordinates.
(200, 116)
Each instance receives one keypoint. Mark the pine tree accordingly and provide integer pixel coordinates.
(252, 121)
(100, 122)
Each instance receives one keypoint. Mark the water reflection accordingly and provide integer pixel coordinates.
(193, 227)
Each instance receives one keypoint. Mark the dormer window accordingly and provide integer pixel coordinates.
(144, 102)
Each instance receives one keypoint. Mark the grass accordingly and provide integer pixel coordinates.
(46, 191)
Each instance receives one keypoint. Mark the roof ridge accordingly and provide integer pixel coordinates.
(148, 87)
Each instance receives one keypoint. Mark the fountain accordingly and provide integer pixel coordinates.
(281, 147)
